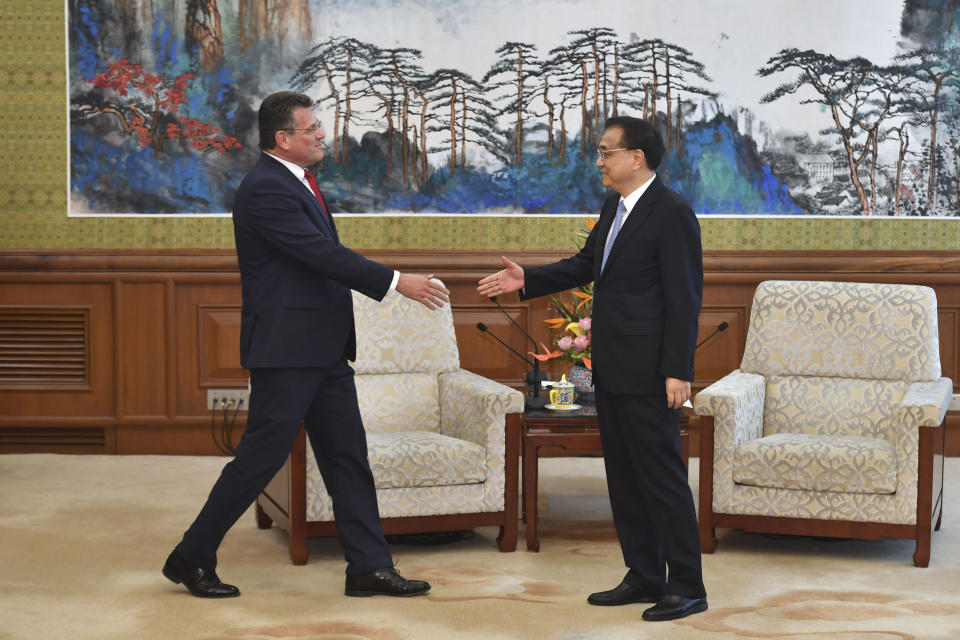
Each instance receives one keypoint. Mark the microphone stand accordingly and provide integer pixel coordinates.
(536, 401)
(535, 377)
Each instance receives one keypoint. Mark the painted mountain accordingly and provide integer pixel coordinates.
(428, 110)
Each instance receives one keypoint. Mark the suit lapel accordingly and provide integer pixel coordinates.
(607, 214)
(312, 209)
(328, 217)
(638, 215)
(315, 211)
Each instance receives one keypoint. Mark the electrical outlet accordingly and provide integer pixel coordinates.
(232, 397)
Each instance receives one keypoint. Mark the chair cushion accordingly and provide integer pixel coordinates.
(847, 464)
(424, 459)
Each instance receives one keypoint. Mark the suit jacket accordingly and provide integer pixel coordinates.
(646, 300)
(295, 275)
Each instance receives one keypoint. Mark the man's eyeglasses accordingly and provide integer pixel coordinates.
(603, 153)
(310, 131)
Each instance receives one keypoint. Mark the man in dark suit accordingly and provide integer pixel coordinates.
(296, 335)
(645, 260)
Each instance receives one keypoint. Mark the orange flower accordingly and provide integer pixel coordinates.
(543, 357)
(556, 323)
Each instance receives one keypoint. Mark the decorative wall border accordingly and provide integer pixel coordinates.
(28, 227)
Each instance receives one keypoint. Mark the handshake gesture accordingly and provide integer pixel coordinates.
(433, 295)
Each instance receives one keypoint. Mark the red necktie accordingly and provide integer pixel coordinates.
(316, 191)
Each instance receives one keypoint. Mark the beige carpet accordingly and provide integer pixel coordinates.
(82, 539)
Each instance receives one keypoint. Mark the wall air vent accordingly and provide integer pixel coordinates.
(44, 347)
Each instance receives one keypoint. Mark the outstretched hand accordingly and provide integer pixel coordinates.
(423, 289)
(503, 281)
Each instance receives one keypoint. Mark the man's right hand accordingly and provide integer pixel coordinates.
(423, 289)
(503, 281)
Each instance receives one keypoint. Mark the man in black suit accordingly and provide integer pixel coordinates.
(296, 335)
(645, 260)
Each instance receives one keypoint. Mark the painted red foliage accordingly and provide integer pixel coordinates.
(152, 101)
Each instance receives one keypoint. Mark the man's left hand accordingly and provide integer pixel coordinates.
(678, 392)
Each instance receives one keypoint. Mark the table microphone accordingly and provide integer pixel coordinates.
(536, 401)
(720, 327)
(517, 324)
(538, 376)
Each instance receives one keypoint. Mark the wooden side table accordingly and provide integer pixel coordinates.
(577, 433)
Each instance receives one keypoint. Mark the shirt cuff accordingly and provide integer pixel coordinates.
(393, 284)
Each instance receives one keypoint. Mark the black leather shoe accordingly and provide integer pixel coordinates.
(674, 608)
(384, 582)
(202, 583)
(623, 593)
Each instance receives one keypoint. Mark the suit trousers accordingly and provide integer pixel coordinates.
(325, 400)
(653, 508)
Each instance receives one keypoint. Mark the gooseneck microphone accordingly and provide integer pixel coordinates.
(515, 323)
(484, 328)
(538, 376)
(531, 402)
(720, 327)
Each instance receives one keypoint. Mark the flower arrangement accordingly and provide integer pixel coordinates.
(575, 321)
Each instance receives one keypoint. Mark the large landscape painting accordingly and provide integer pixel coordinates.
(847, 108)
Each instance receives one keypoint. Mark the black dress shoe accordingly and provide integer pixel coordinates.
(623, 593)
(384, 582)
(202, 583)
(674, 608)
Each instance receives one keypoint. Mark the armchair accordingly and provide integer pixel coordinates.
(833, 424)
(442, 441)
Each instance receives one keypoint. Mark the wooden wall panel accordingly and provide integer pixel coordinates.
(217, 348)
(142, 350)
(207, 315)
(164, 328)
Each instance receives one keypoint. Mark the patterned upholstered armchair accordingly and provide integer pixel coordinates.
(833, 425)
(438, 436)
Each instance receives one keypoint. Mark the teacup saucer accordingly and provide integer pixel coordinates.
(569, 407)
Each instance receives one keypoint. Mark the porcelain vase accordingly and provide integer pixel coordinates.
(582, 379)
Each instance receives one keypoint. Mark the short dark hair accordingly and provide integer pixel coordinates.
(639, 134)
(276, 114)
